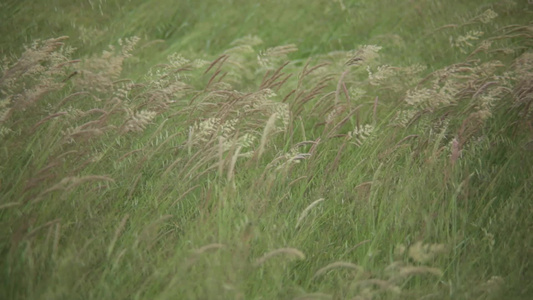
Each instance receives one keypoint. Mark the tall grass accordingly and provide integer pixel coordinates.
(270, 170)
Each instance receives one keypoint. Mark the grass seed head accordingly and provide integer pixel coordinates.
(288, 251)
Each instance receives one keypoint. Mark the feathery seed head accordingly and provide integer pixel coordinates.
(138, 121)
(424, 253)
(463, 42)
(487, 16)
(359, 135)
(363, 55)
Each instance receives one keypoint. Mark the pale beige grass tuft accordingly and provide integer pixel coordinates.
(268, 128)
(209, 247)
(290, 251)
(305, 212)
(412, 270)
(233, 162)
(10, 204)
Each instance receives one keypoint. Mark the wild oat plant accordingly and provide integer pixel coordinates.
(251, 175)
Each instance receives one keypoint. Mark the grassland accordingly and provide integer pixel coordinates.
(266, 149)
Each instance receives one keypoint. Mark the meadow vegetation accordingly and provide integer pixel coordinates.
(266, 150)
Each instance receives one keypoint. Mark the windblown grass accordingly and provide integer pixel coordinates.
(263, 165)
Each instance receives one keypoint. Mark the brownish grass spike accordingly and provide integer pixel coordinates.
(215, 62)
(288, 95)
(211, 79)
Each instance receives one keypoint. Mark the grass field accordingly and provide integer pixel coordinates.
(232, 149)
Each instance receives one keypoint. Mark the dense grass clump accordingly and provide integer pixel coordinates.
(226, 159)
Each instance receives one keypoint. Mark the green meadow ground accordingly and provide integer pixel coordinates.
(234, 149)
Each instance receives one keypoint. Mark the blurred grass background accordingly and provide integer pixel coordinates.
(209, 26)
